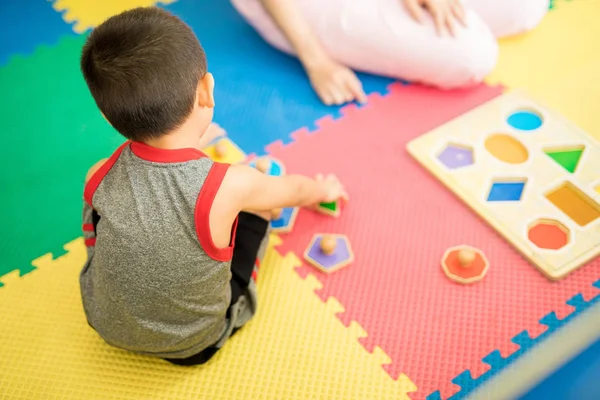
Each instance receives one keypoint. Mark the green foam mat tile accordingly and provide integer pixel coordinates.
(52, 133)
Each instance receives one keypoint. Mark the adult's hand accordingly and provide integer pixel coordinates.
(445, 13)
(334, 82)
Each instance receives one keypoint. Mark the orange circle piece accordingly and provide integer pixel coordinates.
(474, 272)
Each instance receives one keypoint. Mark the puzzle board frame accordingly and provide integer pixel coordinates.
(540, 174)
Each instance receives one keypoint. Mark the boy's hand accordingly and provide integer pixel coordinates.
(245, 188)
(332, 187)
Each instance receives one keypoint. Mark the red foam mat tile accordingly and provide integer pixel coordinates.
(400, 221)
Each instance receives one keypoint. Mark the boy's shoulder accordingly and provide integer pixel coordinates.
(95, 169)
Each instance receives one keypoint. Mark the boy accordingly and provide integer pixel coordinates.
(171, 240)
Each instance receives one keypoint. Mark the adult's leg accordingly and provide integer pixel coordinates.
(380, 37)
(510, 17)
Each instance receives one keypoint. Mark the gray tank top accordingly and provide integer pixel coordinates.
(154, 282)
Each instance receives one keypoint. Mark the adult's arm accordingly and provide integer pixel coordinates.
(333, 82)
(288, 17)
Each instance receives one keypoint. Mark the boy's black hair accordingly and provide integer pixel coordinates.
(143, 67)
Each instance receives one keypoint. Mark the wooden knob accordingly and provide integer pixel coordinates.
(466, 257)
(328, 244)
(220, 149)
(263, 165)
(276, 213)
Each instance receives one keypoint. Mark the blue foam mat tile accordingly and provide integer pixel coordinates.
(581, 373)
(262, 95)
(25, 25)
(497, 363)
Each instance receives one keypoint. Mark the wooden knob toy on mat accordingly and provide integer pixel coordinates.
(329, 252)
(466, 257)
(263, 165)
(328, 244)
(221, 149)
(276, 213)
(465, 264)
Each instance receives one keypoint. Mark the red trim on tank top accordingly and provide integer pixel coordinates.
(204, 204)
(91, 242)
(154, 154)
(94, 182)
(88, 227)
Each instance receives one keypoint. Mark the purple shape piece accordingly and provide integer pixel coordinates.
(456, 156)
(341, 254)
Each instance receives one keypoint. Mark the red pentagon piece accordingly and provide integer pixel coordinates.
(465, 264)
(548, 234)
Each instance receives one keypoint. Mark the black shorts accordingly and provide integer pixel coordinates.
(251, 231)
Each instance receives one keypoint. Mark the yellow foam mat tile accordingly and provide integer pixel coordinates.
(295, 348)
(87, 14)
(557, 63)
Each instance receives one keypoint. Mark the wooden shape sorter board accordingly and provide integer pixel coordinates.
(527, 171)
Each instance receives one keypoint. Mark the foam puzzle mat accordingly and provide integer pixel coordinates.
(86, 14)
(53, 158)
(272, 80)
(293, 349)
(25, 27)
(398, 292)
(389, 326)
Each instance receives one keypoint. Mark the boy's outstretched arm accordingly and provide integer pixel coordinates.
(246, 189)
(253, 190)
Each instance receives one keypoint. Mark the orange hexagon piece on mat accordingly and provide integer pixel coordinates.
(465, 264)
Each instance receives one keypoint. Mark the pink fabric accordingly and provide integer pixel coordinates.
(380, 37)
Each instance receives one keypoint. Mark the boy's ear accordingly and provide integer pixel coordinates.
(205, 93)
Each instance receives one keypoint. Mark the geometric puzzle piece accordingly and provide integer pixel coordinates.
(504, 204)
(507, 190)
(572, 201)
(506, 148)
(329, 252)
(270, 165)
(224, 150)
(456, 156)
(285, 222)
(332, 208)
(567, 157)
(548, 234)
(525, 120)
(465, 264)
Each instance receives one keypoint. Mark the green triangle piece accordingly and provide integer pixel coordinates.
(329, 206)
(568, 159)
